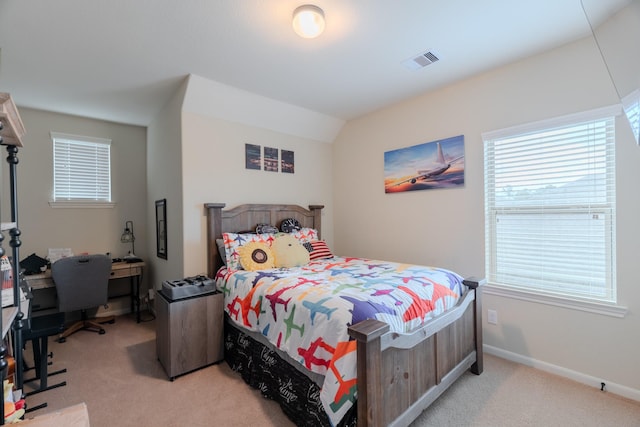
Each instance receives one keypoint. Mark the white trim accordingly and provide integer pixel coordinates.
(93, 204)
(613, 310)
(598, 113)
(589, 380)
(630, 98)
(79, 138)
(628, 102)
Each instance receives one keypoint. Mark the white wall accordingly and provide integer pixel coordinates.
(82, 230)
(446, 227)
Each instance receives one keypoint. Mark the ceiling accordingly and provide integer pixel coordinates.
(121, 60)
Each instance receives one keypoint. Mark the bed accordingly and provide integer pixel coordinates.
(397, 374)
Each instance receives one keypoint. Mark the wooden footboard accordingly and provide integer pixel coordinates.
(401, 375)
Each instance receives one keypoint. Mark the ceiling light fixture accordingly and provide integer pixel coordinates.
(308, 21)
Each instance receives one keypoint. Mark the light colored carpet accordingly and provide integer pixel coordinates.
(120, 379)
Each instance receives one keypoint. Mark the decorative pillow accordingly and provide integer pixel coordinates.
(306, 234)
(266, 228)
(256, 256)
(289, 225)
(221, 251)
(233, 242)
(289, 252)
(318, 249)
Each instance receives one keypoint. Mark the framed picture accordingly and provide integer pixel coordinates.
(271, 159)
(161, 228)
(287, 162)
(252, 156)
(436, 164)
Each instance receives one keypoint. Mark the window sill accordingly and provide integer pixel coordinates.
(613, 310)
(88, 204)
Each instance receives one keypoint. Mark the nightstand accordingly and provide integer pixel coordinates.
(189, 332)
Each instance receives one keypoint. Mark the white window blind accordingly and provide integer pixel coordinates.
(81, 168)
(550, 207)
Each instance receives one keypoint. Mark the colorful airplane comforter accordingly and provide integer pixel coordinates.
(305, 311)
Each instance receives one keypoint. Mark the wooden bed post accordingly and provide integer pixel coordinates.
(476, 284)
(478, 367)
(317, 211)
(214, 227)
(370, 405)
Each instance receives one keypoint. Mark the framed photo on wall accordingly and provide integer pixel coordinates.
(271, 159)
(287, 162)
(161, 228)
(436, 164)
(252, 156)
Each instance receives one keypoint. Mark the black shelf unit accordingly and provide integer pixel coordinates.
(11, 132)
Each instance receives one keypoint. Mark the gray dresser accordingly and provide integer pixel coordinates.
(189, 332)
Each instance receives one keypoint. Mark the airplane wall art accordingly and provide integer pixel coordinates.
(437, 164)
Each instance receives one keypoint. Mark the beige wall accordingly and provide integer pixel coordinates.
(164, 181)
(214, 171)
(196, 157)
(446, 227)
(193, 156)
(82, 230)
(217, 122)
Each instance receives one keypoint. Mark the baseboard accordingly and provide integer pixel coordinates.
(611, 387)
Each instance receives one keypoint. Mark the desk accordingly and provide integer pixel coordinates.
(8, 314)
(119, 270)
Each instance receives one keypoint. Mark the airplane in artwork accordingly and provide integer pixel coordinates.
(440, 167)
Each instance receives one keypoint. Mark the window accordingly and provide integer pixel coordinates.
(81, 170)
(550, 207)
(631, 105)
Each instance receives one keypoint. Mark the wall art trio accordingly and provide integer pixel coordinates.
(274, 159)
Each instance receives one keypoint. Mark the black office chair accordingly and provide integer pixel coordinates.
(81, 284)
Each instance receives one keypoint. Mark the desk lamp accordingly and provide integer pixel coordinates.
(129, 237)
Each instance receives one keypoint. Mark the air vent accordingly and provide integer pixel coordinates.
(421, 60)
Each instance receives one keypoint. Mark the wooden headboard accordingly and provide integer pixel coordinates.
(246, 218)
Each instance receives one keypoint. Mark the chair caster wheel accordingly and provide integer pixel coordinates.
(62, 339)
(101, 331)
(111, 322)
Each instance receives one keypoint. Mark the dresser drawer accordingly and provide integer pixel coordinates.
(125, 272)
(40, 282)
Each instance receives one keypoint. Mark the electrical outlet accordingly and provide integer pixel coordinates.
(492, 317)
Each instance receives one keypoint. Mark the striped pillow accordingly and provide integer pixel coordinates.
(318, 249)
